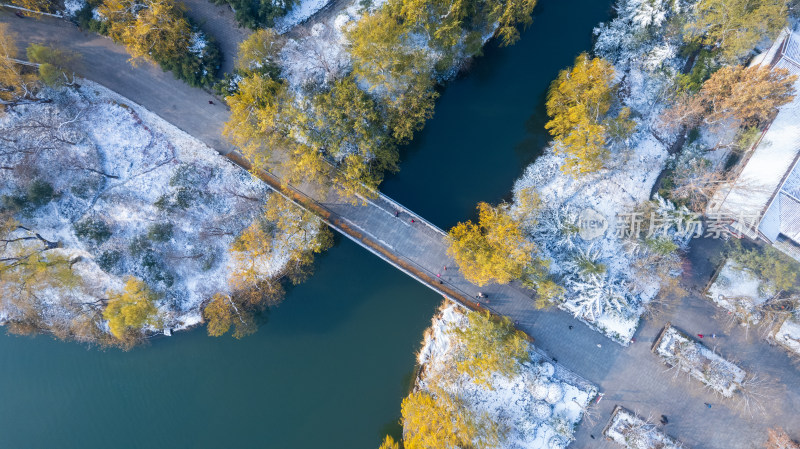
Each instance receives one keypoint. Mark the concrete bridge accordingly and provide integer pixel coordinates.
(632, 377)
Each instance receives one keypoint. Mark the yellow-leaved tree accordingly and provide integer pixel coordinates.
(150, 29)
(389, 443)
(488, 346)
(29, 266)
(282, 230)
(741, 96)
(36, 5)
(736, 26)
(18, 84)
(437, 419)
(256, 125)
(493, 250)
(131, 309)
(259, 50)
(56, 66)
(399, 73)
(578, 103)
(347, 126)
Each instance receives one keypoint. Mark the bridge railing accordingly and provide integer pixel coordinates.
(337, 222)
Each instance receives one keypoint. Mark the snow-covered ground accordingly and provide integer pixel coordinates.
(612, 302)
(319, 53)
(788, 335)
(299, 14)
(542, 405)
(685, 354)
(739, 292)
(151, 201)
(320, 56)
(633, 432)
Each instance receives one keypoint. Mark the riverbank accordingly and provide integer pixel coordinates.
(120, 192)
(540, 405)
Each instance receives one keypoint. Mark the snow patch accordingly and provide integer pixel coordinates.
(542, 405)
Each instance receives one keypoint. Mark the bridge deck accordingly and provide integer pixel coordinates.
(632, 376)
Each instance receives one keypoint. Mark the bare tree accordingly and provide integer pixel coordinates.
(778, 439)
(755, 393)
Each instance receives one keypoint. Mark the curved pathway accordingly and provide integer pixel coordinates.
(632, 377)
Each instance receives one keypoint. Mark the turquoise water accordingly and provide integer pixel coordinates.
(331, 364)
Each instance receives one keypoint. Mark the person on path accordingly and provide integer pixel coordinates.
(599, 345)
(210, 102)
(570, 327)
(713, 335)
(707, 404)
(412, 221)
(445, 268)
(664, 419)
(396, 213)
(700, 335)
(438, 275)
(592, 436)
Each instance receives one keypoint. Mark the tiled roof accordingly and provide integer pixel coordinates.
(790, 216)
(791, 52)
(770, 179)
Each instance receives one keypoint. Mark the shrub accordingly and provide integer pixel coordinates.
(85, 19)
(109, 260)
(139, 245)
(40, 193)
(768, 264)
(160, 232)
(14, 203)
(92, 229)
(198, 70)
(662, 245)
(257, 14)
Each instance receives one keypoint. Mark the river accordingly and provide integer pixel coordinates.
(331, 364)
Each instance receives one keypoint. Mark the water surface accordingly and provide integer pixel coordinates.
(332, 363)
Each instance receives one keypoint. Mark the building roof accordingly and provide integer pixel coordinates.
(767, 190)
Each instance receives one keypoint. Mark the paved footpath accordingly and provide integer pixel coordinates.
(632, 377)
(218, 21)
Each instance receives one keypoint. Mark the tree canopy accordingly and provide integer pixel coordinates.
(493, 250)
(259, 52)
(159, 30)
(282, 228)
(745, 96)
(131, 309)
(256, 14)
(736, 26)
(438, 419)
(770, 265)
(487, 346)
(47, 6)
(389, 443)
(18, 84)
(578, 103)
(29, 265)
(148, 28)
(345, 133)
(56, 66)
